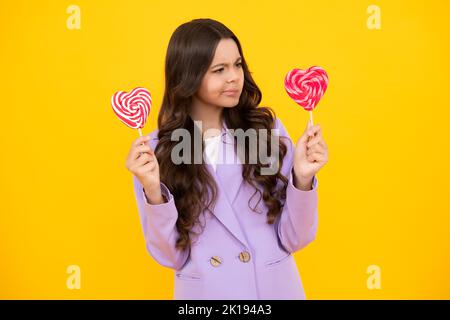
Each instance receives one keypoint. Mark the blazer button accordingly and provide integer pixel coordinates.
(244, 256)
(215, 261)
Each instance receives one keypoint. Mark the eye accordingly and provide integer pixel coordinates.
(239, 64)
(218, 70)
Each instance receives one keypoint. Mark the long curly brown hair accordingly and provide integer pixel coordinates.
(190, 52)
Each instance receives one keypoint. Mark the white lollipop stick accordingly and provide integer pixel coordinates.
(140, 134)
(311, 121)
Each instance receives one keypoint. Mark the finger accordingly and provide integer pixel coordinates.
(140, 161)
(143, 159)
(312, 152)
(316, 148)
(306, 135)
(149, 167)
(321, 141)
(140, 140)
(312, 131)
(144, 148)
(319, 133)
(312, 142)
(137, 151)
(316, 140)
(315, 156)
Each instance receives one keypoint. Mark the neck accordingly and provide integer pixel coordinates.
(210, 117)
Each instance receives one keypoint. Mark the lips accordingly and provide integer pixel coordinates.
(231, 92)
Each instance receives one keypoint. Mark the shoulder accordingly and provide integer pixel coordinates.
(278, 124)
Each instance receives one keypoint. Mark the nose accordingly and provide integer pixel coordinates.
(234, 75)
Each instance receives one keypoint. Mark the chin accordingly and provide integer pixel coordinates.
(230, 103)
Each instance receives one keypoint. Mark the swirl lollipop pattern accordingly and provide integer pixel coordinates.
(306, 87)
(132, 108)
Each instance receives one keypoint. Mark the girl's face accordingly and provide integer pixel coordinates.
(222, 84)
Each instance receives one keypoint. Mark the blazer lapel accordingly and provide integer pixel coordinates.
(229, 167)
(229, 180)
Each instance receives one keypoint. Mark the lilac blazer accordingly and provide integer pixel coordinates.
(238, 255)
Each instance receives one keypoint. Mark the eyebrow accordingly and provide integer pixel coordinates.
(225, 64)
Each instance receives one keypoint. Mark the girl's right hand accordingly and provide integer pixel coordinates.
(142, 162)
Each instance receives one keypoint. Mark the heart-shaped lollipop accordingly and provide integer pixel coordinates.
(306, 87)
(132, 108)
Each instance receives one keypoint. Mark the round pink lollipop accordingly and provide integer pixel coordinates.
(306, 87)
(132, 108)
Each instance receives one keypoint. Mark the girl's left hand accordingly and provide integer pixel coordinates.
(311, 153)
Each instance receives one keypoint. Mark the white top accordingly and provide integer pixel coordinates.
(212, 150)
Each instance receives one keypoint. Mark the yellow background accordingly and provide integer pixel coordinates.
(67, 198)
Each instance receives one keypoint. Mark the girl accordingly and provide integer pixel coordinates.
(226, 229)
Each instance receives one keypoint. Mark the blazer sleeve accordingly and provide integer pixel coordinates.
(296, 226)
(159, 226)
